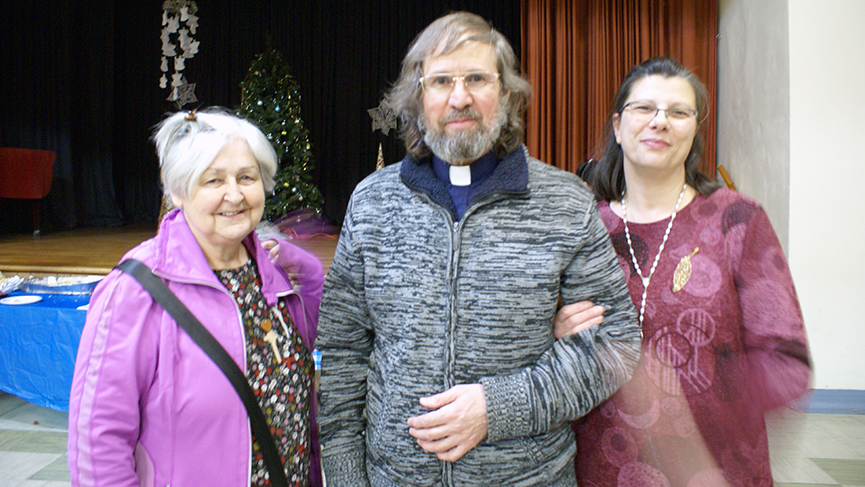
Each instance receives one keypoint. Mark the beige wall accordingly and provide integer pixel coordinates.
(753, 103)
(791, 77)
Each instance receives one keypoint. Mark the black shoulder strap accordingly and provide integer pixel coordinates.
(199, 334)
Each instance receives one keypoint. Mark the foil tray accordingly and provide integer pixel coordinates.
(61, 285)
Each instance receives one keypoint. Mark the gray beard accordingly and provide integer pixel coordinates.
(465, 146)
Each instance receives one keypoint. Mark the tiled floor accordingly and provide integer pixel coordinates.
(807, 449)
(32, 445)
(817, 449)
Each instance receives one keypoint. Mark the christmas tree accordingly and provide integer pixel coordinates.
(270, 98)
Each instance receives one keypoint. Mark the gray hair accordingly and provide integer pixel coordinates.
(454, 31)
(187, 143)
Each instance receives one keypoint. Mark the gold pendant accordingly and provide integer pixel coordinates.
(270, 337)
(683, 271)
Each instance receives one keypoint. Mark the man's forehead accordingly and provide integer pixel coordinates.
(446, 48)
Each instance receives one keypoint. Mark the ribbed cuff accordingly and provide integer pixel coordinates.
(345, 470)
(508, 411)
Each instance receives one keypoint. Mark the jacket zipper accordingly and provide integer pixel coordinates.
(450, 352)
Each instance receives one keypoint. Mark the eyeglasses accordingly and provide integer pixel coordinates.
(443, 83)
(645, 111)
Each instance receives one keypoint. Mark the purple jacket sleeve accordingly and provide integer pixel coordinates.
(307, 274)
(115, 366)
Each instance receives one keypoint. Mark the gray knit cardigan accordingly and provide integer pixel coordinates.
(416, 302)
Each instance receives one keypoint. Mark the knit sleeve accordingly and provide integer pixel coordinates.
(579, 371)
(345, 340)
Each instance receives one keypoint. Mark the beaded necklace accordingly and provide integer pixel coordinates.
(648, 278)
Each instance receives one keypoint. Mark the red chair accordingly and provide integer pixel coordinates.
(26, 174)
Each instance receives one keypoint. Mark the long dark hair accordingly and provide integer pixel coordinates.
(606, 175)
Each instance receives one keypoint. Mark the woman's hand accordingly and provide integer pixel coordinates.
(271, 246)
(576, 317)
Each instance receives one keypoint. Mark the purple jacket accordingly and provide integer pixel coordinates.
(148, 407)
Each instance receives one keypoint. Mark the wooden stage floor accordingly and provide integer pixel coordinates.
(95, 251)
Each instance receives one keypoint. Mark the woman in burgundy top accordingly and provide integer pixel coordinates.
(723, 338)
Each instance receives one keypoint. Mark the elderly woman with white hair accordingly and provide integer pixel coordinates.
(148, 406)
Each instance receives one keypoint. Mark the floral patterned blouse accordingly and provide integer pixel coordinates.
(280, 371)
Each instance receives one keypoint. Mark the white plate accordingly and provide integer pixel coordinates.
(21, 299)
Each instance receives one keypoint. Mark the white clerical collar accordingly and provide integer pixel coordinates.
(460, 175)
(468, 175)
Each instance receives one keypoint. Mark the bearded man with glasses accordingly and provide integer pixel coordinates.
(439, 364)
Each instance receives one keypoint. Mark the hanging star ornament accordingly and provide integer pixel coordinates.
(382, 118)
(185, 7)
(183, 94)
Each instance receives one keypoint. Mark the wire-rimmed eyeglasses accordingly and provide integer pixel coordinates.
(443, 83)
(647, 111)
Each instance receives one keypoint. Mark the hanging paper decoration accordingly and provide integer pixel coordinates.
(179, 24)
(383, 118)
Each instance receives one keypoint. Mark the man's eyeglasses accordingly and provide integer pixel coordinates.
(443, 83)
(645, 111)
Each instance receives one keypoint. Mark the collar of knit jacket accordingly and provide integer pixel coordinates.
(511, 177)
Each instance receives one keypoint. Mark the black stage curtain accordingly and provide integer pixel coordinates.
(81, 79)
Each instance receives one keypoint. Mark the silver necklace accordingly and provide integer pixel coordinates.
(648, 278)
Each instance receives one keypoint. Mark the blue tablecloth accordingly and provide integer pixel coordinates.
(38, 345)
